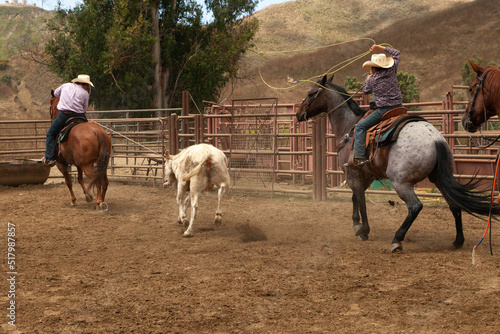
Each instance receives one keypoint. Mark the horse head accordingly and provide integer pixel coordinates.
(315, 102)
(327, 97)
(481, 104)
(54, 100)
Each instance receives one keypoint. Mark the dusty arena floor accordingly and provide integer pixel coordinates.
(287, 265)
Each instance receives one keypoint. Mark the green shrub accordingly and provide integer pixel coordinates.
(7, 79)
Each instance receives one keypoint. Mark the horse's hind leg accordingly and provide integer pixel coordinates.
(103, 188)
(67, 178)
(88, 196)
(459, 240)
(407, 194)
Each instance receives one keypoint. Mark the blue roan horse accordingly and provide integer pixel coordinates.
(419, 152)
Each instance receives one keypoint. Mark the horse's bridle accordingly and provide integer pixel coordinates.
(331, 110)
(472, 101)
(309, 101)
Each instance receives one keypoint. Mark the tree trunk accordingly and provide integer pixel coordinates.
(158, 86)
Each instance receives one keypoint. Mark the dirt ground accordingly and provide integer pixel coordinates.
(286, 265)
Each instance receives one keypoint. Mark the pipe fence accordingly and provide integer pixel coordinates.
(269, 151)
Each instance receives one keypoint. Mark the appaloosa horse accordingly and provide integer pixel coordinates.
(419, 152)
(87, 147)
(485, 97)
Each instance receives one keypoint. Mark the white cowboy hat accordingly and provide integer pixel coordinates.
(378, 60)
(83, 78)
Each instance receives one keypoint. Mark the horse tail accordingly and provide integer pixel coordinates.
(456, 194)
(101, 164)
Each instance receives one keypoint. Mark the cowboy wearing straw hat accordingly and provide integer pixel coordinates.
(383, 83)
(73, 101)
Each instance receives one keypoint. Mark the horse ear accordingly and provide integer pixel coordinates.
(331, 78)
(476, 68)
(323, 81)
(52, 92)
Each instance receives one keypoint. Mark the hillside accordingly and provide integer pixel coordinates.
(24, 84)
(435, 39)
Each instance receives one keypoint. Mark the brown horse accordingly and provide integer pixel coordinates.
(88, 148)
(485, 97)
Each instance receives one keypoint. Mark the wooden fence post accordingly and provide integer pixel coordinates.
(173, 134)
(319, 159)
(185, 124)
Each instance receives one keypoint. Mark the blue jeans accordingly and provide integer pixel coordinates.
(56, 127)
(365, 125)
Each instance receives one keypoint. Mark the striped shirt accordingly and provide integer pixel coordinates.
(72, 97)
(384, 83)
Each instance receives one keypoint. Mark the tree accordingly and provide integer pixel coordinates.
(410, 88)
(408, 83)
(467, 72)
(144, 53)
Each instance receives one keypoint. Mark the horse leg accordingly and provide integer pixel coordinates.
(359, 207)
(407, 194)
(67, 178)
(88, 196)
(104, 187)
(459, 240)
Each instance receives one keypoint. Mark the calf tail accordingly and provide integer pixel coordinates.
(456, 194)
(207, 163)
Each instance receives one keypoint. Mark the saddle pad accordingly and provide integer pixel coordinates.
(70, 123)
(389, 133)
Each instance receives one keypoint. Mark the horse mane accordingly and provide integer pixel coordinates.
(356, 109)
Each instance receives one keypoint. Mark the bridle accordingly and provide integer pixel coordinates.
(480, 87)
(331, 110)
(309, 101)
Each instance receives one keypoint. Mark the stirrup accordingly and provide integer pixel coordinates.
(357, 163)
(48, 163)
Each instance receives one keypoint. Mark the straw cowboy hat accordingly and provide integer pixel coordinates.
(378, 60)
(83, 78)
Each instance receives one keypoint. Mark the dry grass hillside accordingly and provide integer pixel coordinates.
(435, 39)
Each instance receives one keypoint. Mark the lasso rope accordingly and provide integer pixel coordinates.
(330, 71)
(475, 257)
(118, 133)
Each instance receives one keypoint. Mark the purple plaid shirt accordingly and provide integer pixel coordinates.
(384, 83)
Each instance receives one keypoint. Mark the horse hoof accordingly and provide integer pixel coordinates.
(186, 223)
(89, 198)
(104, 206)
(188, 235)
(358, 229)
(396, 247)
(72, 204)
(362, 237)
(458, 245)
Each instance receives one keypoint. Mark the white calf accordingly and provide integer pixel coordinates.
(194, 170)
